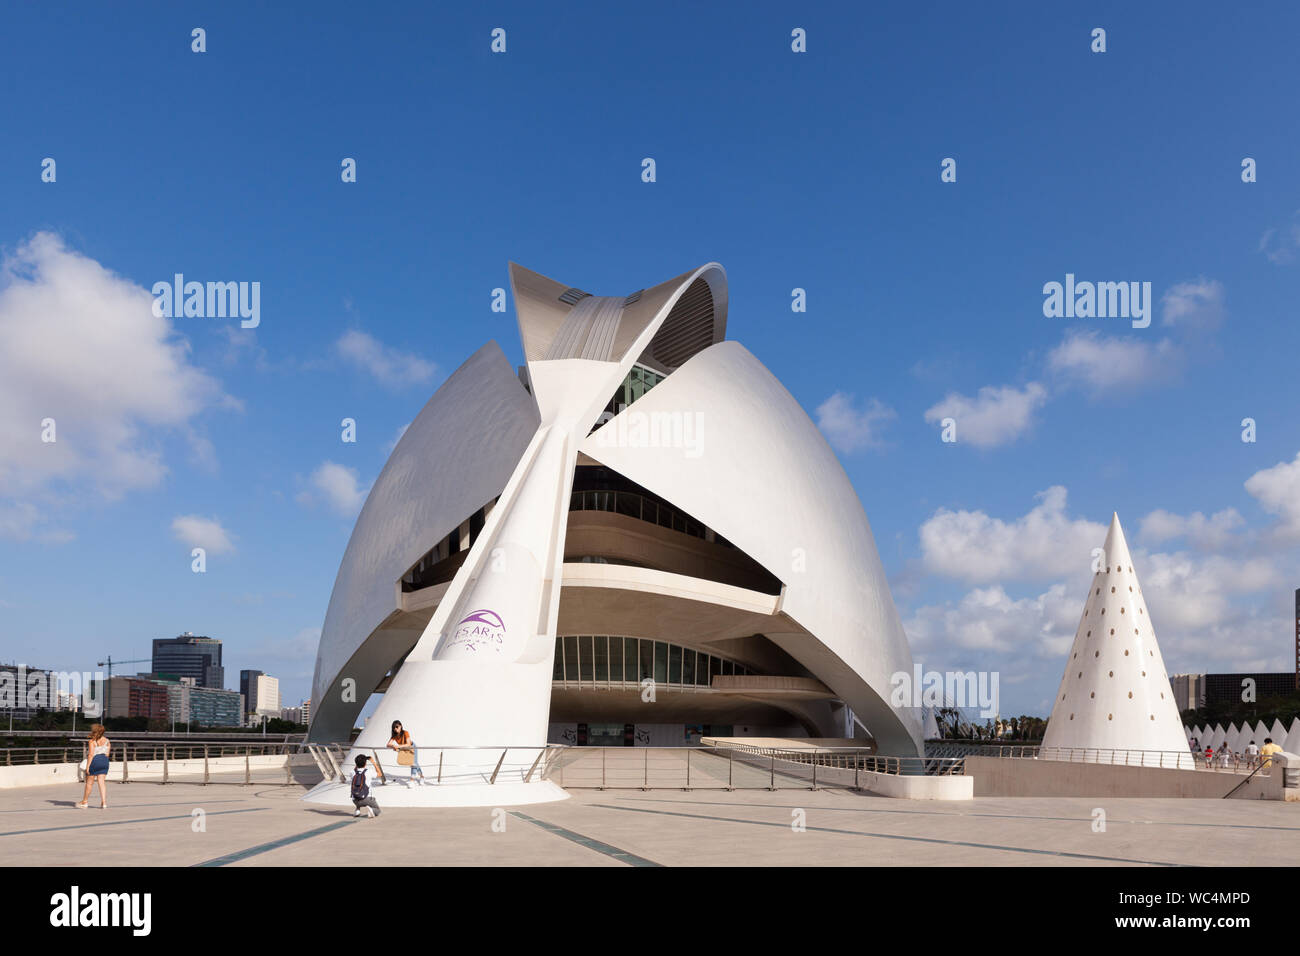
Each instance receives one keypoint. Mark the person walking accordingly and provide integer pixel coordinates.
(97, 750)
(1252, 755)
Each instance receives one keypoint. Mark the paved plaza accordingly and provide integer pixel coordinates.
(267, 825)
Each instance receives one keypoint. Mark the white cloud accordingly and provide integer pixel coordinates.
(1197, 304)
(995, 416)
(1188, 594)
(849, 428)
(81, 345)
(196, 531)
(971, 546)
(338, 487)
(392, 367)
(1277, 489)
(1279, 245)
(988, 619)
(1210, 534)
(1104, 361)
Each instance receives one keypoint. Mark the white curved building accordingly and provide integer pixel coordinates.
(640, 537)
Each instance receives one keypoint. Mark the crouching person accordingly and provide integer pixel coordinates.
(362, 777)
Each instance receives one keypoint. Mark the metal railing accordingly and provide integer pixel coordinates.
(1168, 759)
(731, 767)
(854, 758)
(637, 506)
(160, 761)
(442, 765)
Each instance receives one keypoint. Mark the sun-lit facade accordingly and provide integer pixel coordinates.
(638, 537)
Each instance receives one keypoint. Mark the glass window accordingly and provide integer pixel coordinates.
(584, 658)
(630, 660)
(674, 664)
(728, 668)
(647, 660)
(558, 672)
(688, 666)
(571, 658)
(715, 668)
(600, 659)
(628, 504)
(616, 658)
(661, 662)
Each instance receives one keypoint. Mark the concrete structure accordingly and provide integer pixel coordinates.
(1292, 744)
(996, 777)
(644, 493)
(1115, 693)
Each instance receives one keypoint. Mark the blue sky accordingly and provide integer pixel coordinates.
(818, 170)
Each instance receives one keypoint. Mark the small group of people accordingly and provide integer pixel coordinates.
(1253, 756)
(366, 770)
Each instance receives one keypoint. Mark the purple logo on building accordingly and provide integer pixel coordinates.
(479, 630)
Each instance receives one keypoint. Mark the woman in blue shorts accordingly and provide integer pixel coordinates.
(97, 749)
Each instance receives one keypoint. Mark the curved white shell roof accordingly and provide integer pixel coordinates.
(481, 417)
(767, 481)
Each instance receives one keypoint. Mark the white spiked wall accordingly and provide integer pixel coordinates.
(1292, 744)
(1278, 732)
(1115, 695)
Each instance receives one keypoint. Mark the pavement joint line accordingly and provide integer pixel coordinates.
(895, 836)
(631, 859)
(992, 816)
(273, 845)
(124, 806)
(118, 823)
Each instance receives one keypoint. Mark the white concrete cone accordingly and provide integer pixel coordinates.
(1115, 702)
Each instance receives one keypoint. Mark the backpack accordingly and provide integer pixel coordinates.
(360, 790)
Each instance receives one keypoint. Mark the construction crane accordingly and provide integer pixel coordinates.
(109, 662)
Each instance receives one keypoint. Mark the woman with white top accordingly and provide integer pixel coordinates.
(97, 749)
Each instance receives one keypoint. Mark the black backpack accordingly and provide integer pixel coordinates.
(360, 790)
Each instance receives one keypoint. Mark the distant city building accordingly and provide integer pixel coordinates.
(1225, 690)
(24, 691)
(266, 696)
(208, 706)
(190, 656)
(136, 697)
(1189, 691)
(291, 714)
(306, 711)
(248, 687)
